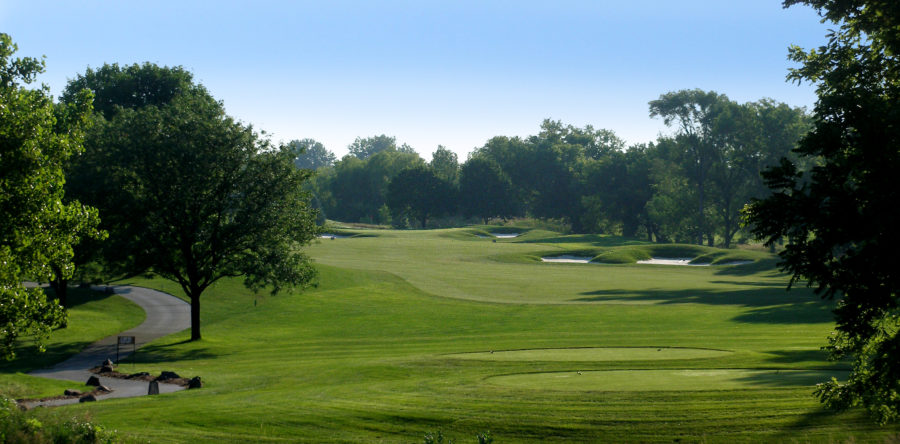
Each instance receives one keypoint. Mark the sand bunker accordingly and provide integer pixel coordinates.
(565, 259)
(506, 235)
(594, 354)
(672, 261)
(331, 236)
(667, 380)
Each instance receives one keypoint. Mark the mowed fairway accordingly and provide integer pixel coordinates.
(410, 332)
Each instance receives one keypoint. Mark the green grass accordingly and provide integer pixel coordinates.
(394, 342)
(91, 316)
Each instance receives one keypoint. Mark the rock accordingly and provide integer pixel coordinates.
(88, 398)
(72, 393)
(165, 376)
(104, 388)
(195, 383)
(108, 363)
(138, 375)
(106, 369)
(94, 381)
(153, 389)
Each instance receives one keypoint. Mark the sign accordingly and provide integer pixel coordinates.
(126, 340)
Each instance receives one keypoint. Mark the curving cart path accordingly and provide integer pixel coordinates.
(166, 314)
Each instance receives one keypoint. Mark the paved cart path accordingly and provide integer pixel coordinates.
(166, 314)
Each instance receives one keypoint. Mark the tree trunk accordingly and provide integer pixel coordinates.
(195, 316)
(60, 287)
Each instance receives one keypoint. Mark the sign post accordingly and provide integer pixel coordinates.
(125, 340)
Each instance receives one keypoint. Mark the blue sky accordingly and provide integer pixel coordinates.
(453, 72)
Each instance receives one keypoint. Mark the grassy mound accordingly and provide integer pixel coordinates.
(591, 354)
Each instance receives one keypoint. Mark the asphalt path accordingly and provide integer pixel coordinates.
(166, 314)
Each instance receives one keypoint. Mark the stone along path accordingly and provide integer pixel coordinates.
(166, 314)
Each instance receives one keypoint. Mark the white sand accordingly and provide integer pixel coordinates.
(331, 236)
(505, 235)
(565, 259)
(672, 261)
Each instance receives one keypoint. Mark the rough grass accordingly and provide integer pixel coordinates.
(370, 354)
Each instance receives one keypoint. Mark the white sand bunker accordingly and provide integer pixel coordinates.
(687, 261)
(506, 235)
(332, 236)
(566, 259)
(672, 261)
(594, 354)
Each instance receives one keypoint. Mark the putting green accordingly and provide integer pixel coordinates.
(666, 380)
(594, 354)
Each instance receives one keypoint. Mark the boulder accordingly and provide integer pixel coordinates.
(165, 376)
(106, 369)
(72, 393)
(88, 398)
(139, 375)
(195, 383)
(108, 363)
(153, 388)
(94, 381)
(103, 388)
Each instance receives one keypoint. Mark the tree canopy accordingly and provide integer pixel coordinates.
(37, 228)
(195, 196)
(839, 219)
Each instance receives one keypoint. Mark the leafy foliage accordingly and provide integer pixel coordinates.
(37, 229)
(840, 219)
(310, 154)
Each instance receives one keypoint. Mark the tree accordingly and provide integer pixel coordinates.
(37, 229)
(202, 197)
(694, 112)
(445, 164)
(131, 87)
(311, 154)
(485, 191)
(840, 219)
(363, 148)
(420, 194)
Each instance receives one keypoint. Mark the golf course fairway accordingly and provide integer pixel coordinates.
(395, 341)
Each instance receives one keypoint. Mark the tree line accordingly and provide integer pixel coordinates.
(688, 186)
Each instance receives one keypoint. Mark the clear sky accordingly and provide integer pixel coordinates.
(452, 72)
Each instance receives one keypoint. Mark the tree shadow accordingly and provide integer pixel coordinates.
(791, 378)
(157, 354)
(768, 304)
(816, 356)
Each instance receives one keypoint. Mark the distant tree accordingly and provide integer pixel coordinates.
(617, 189)
(37, 229)
(840, 219)
(131, 87)
(202, 197)
(694, 112)
(310, 154)
(420, 194)
(363, 148)
(485, 191)
(359, 187)
(445, 164)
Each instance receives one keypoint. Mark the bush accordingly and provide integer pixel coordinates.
(43, 426)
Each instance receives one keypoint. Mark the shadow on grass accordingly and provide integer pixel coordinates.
(761, 265)
(179, 351)
(768, 304)
(801, 356)
(28, 357)
(792, 378)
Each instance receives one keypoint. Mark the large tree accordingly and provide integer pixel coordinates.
(418, 193)
(200, 197)
(37, 228)
(311, 154)
(485, 191)
(840, 220)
